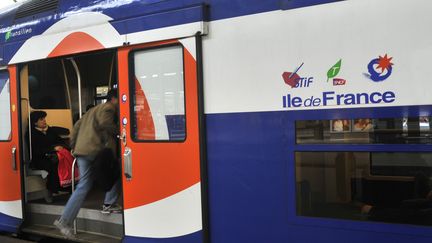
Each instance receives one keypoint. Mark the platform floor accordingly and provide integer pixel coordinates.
(10, 239)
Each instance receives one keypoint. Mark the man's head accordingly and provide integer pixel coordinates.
(37, 119)
(112, 96)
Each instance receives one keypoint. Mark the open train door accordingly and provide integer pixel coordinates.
(10, 185)
(161, 134)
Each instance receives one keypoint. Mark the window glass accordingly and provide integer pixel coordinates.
(47, 85)
(341, 185)
(158, 95)
(5, 112)
(412, 130)
(401, 164)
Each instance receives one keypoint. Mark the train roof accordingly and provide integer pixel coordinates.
(27, 19)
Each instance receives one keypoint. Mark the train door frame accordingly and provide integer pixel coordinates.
(76, 70)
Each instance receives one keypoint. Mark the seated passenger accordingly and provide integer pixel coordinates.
(45, 142)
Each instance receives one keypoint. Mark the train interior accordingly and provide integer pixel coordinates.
(54, 86)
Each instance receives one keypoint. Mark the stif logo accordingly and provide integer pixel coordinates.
(383, 63)
(295, 81)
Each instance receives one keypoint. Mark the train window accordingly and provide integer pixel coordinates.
(410, 130)
(5, 112)
(158, 95)
(46, 82)
(342, 185)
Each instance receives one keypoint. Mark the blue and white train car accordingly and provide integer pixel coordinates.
(240, 121)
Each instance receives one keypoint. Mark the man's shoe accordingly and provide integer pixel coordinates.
(64, 229)
(112, 208)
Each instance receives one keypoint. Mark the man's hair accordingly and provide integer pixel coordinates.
(36, 115)
(112, 94)
(89, 106)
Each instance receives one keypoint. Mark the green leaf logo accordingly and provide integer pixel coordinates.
(8, 35)
(333, 71)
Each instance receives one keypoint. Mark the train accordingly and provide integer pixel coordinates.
(240, 121)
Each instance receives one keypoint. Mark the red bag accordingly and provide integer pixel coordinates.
(65, 168)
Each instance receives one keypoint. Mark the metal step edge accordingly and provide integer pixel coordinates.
(84, 225)
(84, 213)
(83, 237)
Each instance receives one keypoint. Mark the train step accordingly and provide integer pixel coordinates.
(84, 237)
(91, 223)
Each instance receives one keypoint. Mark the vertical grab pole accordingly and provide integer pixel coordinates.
(73, 189)
(80, 115)
(79, 85)
(111, 72)
(67, 85)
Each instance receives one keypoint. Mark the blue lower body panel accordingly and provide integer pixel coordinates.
(9, 224)
(251, 175)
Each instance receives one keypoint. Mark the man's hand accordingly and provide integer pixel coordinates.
(58, 148)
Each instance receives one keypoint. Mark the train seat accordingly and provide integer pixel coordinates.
(35, 181)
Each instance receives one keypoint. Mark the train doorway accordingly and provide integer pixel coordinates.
(64, 88)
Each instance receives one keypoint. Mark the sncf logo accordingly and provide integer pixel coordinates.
(339, 81)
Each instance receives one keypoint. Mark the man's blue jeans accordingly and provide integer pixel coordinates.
(84, 186)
